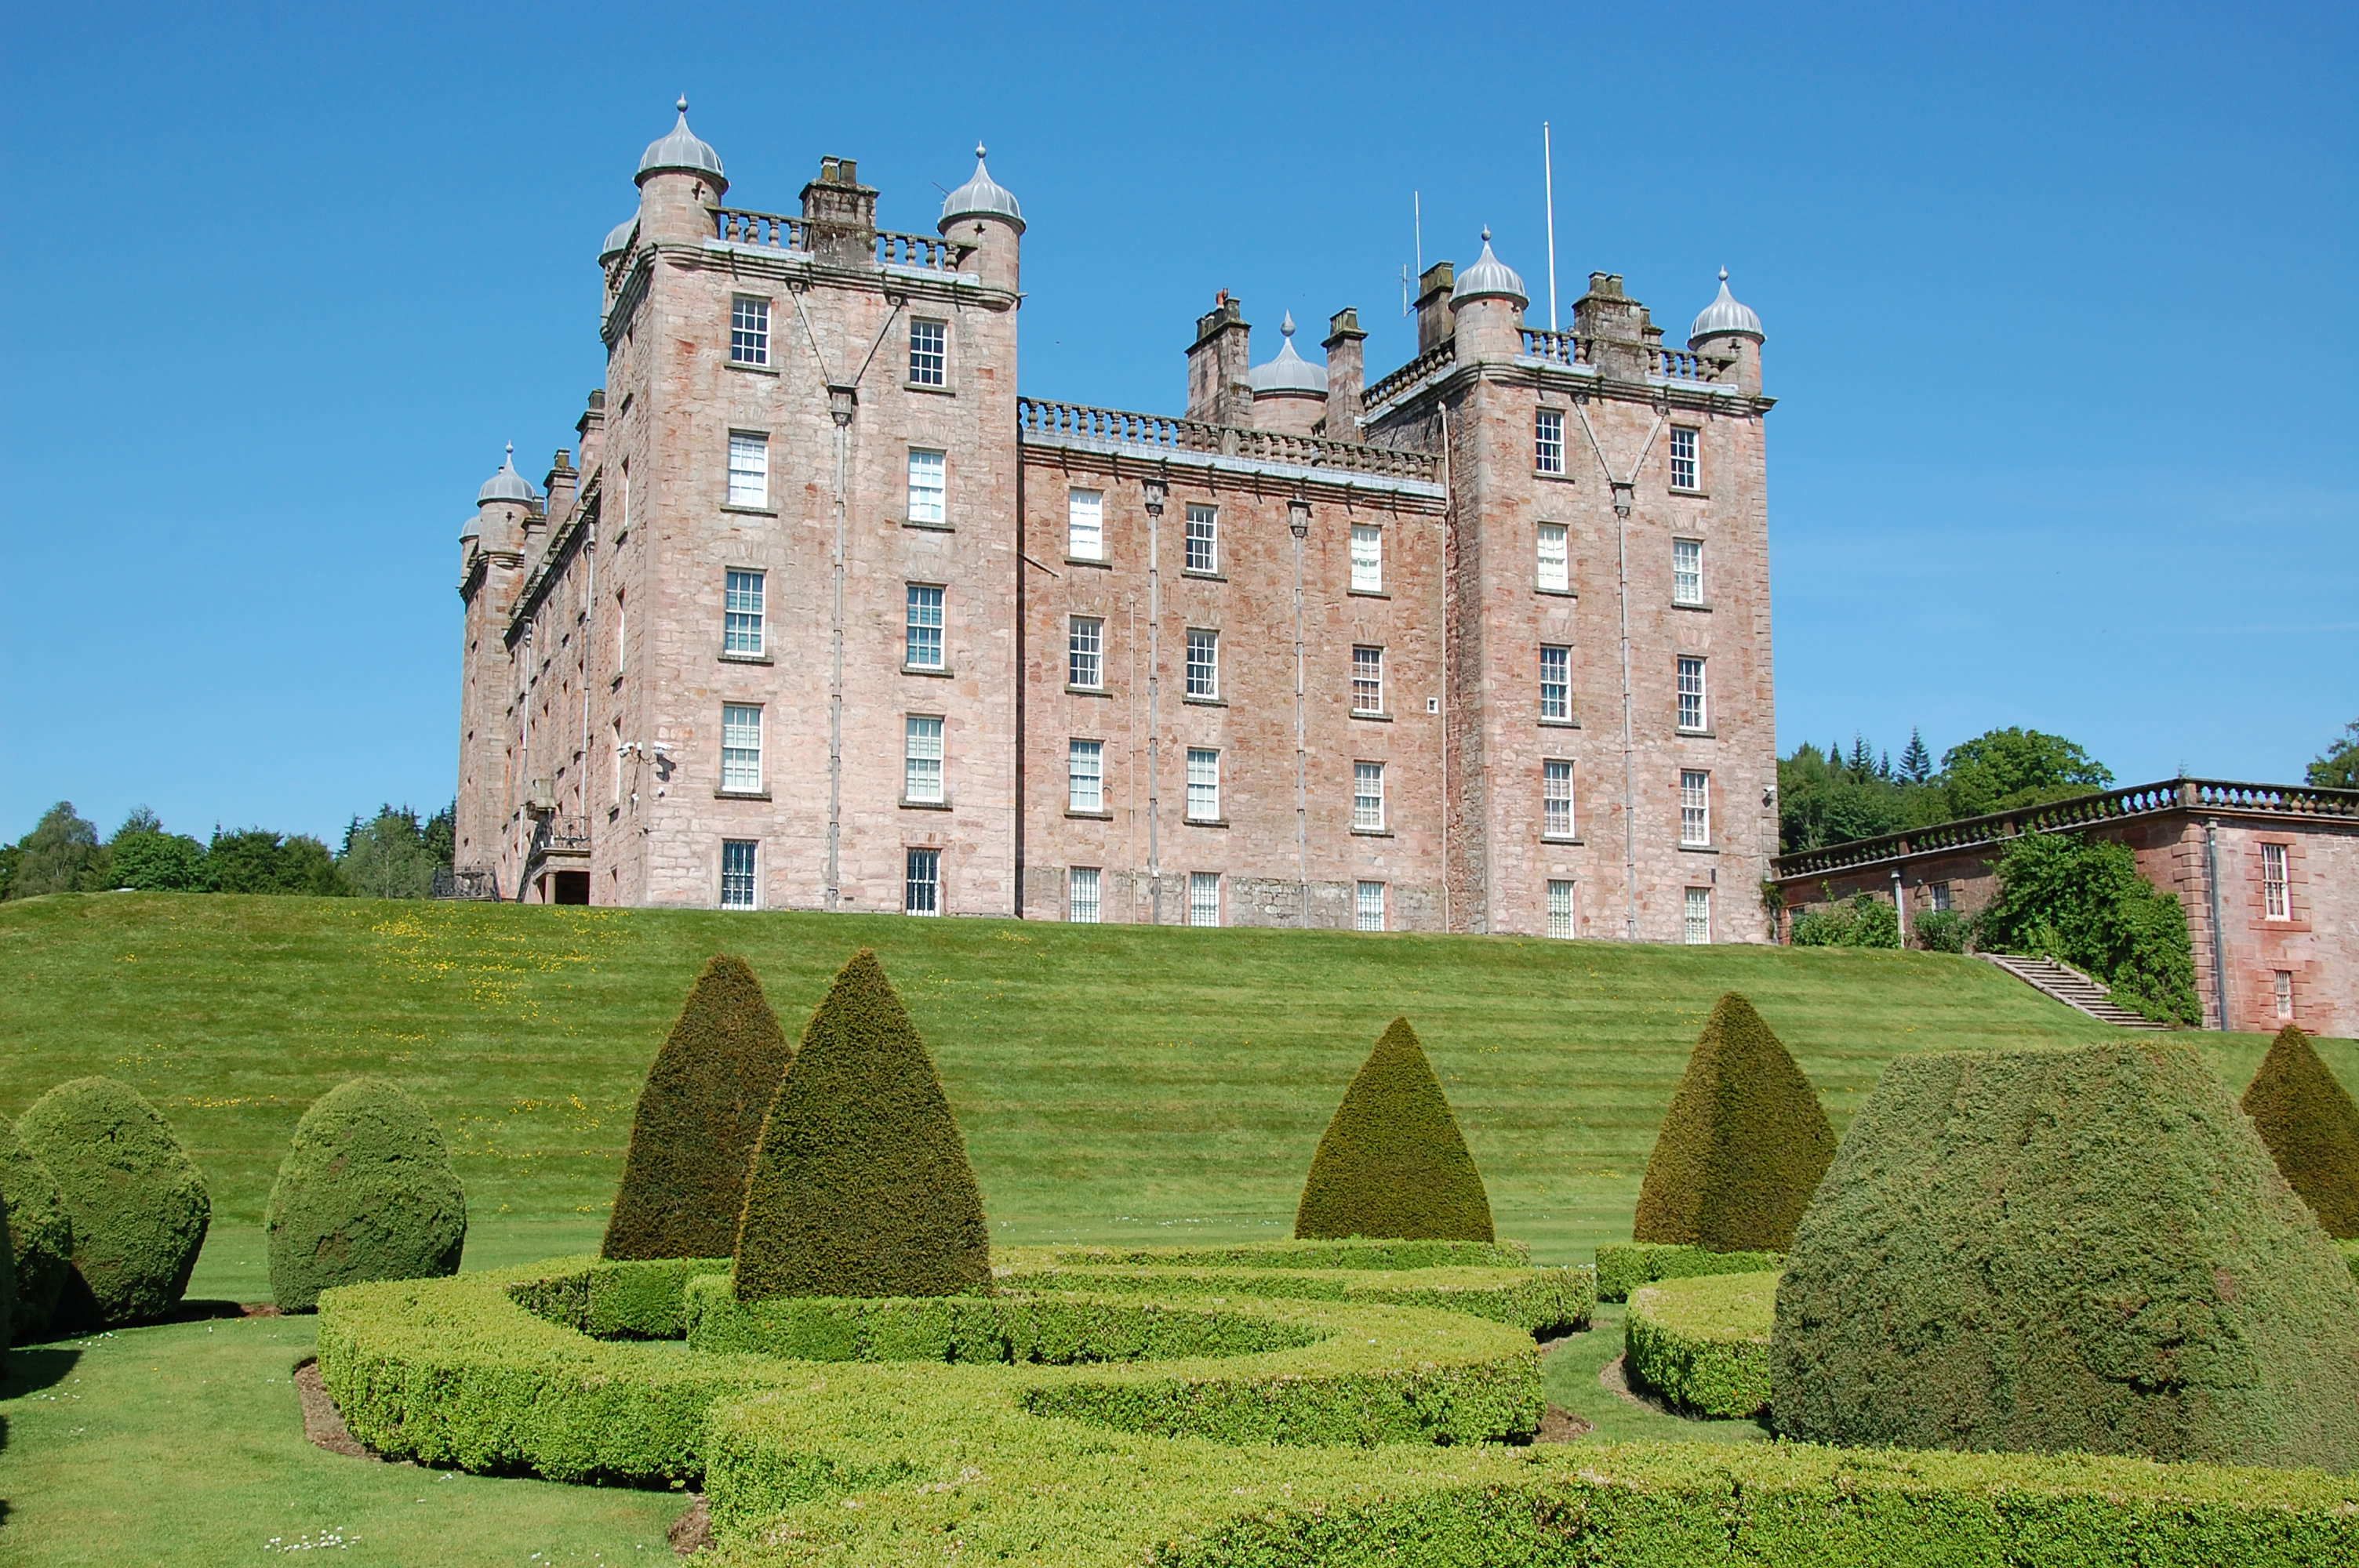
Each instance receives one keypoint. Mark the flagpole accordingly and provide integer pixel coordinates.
(1548, 177)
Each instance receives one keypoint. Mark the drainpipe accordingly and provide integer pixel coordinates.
(1900, 905)
(2219, 940)
(840, 404)
(1156, 490)
(1298, 523)
(1624, 489)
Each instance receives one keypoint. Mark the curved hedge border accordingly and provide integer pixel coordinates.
(1624, 1266)
(1355, 1252)
(1536, 1300)
(1703, 1343)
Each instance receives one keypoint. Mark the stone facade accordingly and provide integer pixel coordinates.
(1278, 661)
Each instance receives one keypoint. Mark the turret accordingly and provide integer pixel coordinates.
(1289, 393)
(1728, 330)
(505, 511)
(1486, 308)
(986, 214)
(1220, 380)
(680, 183)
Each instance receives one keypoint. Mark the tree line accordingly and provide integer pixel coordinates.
(393, 854)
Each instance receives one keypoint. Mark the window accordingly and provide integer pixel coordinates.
(1367, 797)
(929, 487)
(2284, 981)
(1367, 680)
(1556, 798)
(921, 760)
(1687, 571)
(1082, 895)
(1203, 539)
(1938, 896)
(1556, 560)
(1560, 909)
(749, 470)
(1085, 653)
(1695, 925)
(921, 882)
(1085, 775)
(741, 614)
(1695, 806)
(1556, 681)
(737, 880)
(1367, 558)
(922, 649)
(749, 332)
(1086, 524)
(1692, 706)
(1204, 898)
(1368, 906)
(1548, 440)
(930, 358)
(1203, 663)
(2275, 903)
(622, 634)
(1203, 784)
(1683, 456)
(741, 749)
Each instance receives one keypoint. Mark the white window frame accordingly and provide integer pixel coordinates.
(1695, 918)
(740, 887)
(1695, 710)
(1085, 775)
(1202, 544)
(1561, 911)
(1203, 663)
(1203, 784)
(921, 882)
(749, 470)
(1368, 906)
(930, 487)
(1687, 457)
(929, 362)
(1085, 652)
(1548, 441)
(1367, 797)
(1559, 816)
(1086, 524)
(749, 329)
(1084, 887)
(2276, 884)
(1556, 694)
(924, 763)
(1687, 571)
(1367, 558)
(1367, 680)
(744, 626)
(924, 633)
(1695, 808)
(1204, 898)
(1552, 547)
(741, 763)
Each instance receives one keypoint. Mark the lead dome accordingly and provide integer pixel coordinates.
(981, 197)
(1290, 372)
(506, 484)
(1488, 278)
(681, 150)
(1725, 317)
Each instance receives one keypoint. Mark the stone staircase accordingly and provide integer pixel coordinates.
(2070, 987)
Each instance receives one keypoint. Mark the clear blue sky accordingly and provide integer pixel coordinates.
(2063, 307)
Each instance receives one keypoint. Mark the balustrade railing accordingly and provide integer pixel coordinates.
(1409, 374)
(774, 229)
(471, 882)
(561, 835)
(1559, 348)
(928, 251)
(1042, 419)
(1679, 364)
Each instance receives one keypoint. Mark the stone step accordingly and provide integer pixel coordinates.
(2074, 989)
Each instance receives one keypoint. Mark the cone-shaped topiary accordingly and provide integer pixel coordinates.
(2307, 1118)
(366, 1191)
(699, 1117)
(1392, 1162)
(859, 1185)
(137, 1204)
(2083, 1250)
(41, 1241)
(1742, 1146)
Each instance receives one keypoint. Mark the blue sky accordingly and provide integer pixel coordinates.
(2061, 303)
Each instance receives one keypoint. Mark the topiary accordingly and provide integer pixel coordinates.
(2083, 1249)
(366, 1191)
(859, 1185)
(8, 1288)
(1743, 1146)
(40, 1239)
(2307, 1118)
(137, 1204)
(697, 1120)
(1392, 1162)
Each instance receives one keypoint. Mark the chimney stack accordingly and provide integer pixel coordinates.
(841, 213)
(1346, 374)
(1219, 385)
(1433, 323)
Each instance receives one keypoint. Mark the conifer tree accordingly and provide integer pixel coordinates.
(697, 1120)
(1916, 762)
(1862, 761)
(2311, 1128)
(859, 1185)
(1743, 1146)
(1392, 1164)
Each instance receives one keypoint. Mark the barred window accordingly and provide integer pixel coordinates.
(922, 645)
(1548, 440)
(1692, 711)
(1687, 571)
(1085, 652)
(749, 330)
(1695, 925)
(929, 486)
(1204, 898)
(1937, 893)
(1086, 524)
(1556, 560)
(749, 469)
(1368, 906)
(921, 760)
(1367, 680)
(930, 357)
(1082, 895)
(1203, 663)
(1203, 539)
(741, 748)
(1368, 797)
(1556, 798)
(2276, 902)
(1367, 558)
(741, 614)
(1683, 456)
(1695, 806)
(1560, 909)
(738, 884)
(2283, 981)
(1556, 681)
(921, 882)
(1085, 775)
(1203, 784)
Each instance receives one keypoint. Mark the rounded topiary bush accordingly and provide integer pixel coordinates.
(366, 1191)
(1392, 1162)
(860, 1185)
(135, 1201)
(2083, 1250)
(41, 1241)
(2307, 1118)
(697, 1120)
(1743, 1146)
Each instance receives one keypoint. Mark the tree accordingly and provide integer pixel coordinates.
(2001, 770)
(256, 860)
(60, 854)
(1862, 761)
(1392, 1162)
(1916, 762)
(387, 857)
(2311, 1126)
(143, 856)
(442, 835)
(2337, 767)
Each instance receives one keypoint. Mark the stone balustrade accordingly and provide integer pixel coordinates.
(738, 227)
(1679, 364)
(1556, 348)
(560, 836)
(1041, 419)
(1409, 374)
(930, 251)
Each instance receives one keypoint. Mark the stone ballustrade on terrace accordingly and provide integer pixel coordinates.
(1384, 388)
(782, 231)
(1042, 422)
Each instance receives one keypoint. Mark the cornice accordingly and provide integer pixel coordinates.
(1332, 486)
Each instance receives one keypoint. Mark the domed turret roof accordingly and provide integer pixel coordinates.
(618, 238)
(1290, 372)
(1488, 278)
(982, 197)
(507, 484)
(1725, 315)
(683, 150)
(473, 529)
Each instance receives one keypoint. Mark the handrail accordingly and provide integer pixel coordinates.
(1044, 419)
(1417, 369)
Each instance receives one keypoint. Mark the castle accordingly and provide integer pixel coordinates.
(820, 613)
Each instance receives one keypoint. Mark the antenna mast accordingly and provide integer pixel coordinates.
(1548, 179)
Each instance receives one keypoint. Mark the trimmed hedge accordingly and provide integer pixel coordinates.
(1537, 1300)
(1624, 1266)
(40, 1239)
(1392, 1162)
(1343, 1252)
(135, 1201)
(366, 1191)
(7, 1287)
(859, 1185)
(1703, 1343)
(698, 1117)
(2307, 1118)
(1743, 1146)
(2085, 1249)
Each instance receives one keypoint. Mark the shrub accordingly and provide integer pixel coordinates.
(860, 1184)
(366, 1191)
(2081, 1250)
(698, 1117)
(40, 1239)
(7, 1287)
(1862, 920)
(2083, 900)
(1392, 1162)
(1624, 1266)
(1703, 1343)
(2307, 1118)
(1743, 1146)
(2350, 1251)
(1942, 931)
(138, 1206)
